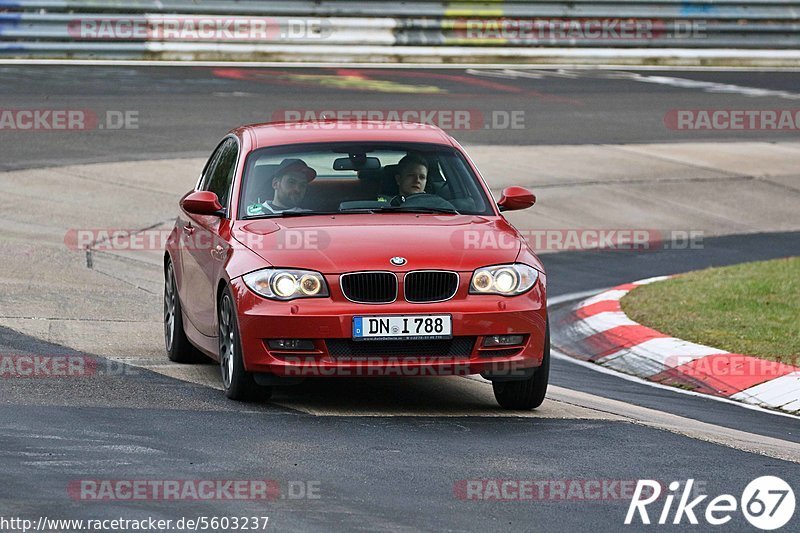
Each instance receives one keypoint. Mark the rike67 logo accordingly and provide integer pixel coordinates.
(767, 503)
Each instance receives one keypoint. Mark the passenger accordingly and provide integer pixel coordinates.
(290, 182)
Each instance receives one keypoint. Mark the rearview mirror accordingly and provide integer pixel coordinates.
(514, 198)
(202, 203)
(356, 162)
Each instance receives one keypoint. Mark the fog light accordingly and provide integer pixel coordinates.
(502, 340)
(291, 344)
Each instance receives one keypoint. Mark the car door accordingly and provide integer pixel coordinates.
(203, 250)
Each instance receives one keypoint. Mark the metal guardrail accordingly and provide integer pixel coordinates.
(719, 9)
(80, 28)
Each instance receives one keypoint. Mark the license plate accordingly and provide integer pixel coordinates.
(407, 327)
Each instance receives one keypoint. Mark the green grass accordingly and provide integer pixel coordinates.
(752, 308)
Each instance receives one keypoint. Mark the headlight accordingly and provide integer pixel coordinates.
(286, 284)
(508, 280)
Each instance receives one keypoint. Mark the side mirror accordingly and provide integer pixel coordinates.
(202, 203)
(514, 198)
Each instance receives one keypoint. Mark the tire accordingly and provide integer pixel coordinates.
(529, 393)
(236, 382)
(178, 347)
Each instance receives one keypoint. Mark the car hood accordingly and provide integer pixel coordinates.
(345, 243)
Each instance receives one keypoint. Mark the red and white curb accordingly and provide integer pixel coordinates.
(597, 330)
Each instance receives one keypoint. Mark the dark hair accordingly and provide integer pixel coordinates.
(294, 165)
(410, 160)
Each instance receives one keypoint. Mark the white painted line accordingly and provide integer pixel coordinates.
(713, 87)
(684, 426)
(627, 377)
(569, 297)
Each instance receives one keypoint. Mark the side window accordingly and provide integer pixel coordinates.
(210, 166)
(221, 170)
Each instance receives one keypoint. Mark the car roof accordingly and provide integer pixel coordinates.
(301, 132)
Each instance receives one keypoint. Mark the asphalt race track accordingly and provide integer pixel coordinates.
(185, 110)
(379, 455)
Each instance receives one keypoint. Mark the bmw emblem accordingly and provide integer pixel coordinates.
(398, 261)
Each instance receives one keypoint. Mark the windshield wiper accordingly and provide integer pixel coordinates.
(306, 213)
(361, 210)
(400, 208)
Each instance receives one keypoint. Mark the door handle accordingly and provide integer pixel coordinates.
(188, 228)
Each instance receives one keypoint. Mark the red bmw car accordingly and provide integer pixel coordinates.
(333, 248)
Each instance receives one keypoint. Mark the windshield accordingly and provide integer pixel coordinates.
(338, 178)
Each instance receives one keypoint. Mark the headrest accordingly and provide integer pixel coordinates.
(259, 185)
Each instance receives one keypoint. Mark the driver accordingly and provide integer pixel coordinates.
(411, 178)
(412, 175)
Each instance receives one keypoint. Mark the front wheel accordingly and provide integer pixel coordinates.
(528, 393)
(236, 382)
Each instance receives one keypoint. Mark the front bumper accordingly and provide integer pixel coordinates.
(324, 319)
